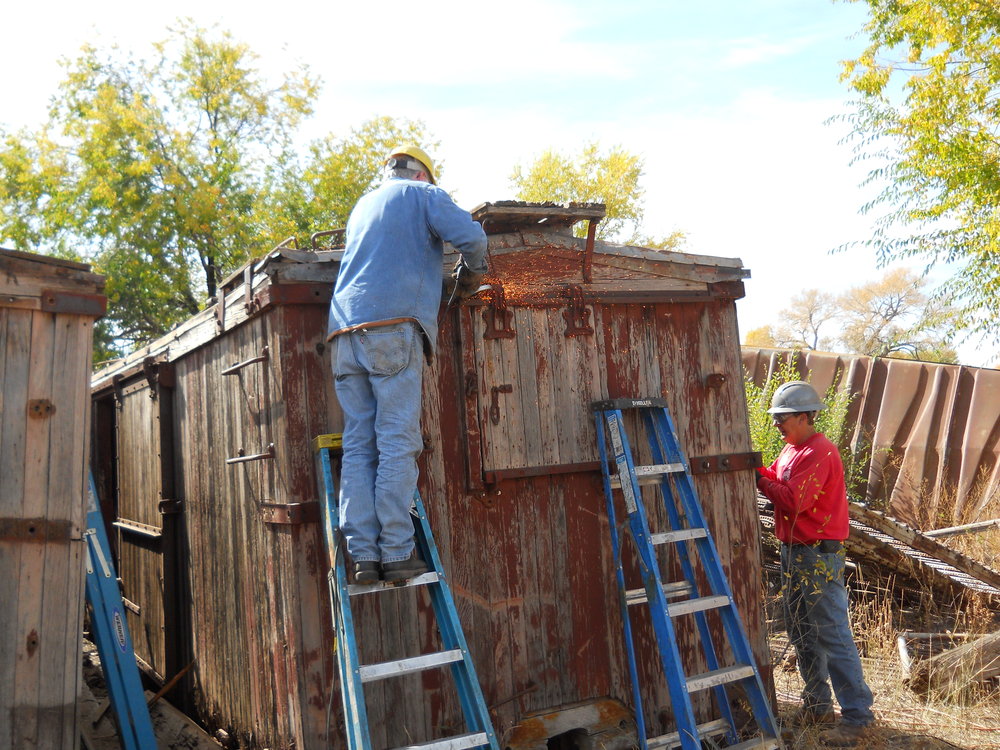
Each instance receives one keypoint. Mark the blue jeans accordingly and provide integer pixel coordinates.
(815, 603)
(378, 373)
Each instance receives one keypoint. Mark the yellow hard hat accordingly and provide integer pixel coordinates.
(411, 149)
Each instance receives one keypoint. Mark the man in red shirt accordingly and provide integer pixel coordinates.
(806, 486)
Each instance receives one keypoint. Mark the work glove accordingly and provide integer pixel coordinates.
(467, 282)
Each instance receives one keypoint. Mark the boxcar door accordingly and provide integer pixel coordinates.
(146, 517)
(530, 374)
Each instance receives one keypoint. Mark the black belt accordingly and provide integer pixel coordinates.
(828, 546)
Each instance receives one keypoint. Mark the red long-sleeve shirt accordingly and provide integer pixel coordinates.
(806, 486)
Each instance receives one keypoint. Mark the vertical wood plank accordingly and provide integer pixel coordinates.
(33, 650)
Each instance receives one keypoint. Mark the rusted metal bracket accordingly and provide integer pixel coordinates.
(249, 303)
(495, 392)
(715, 380)
(498, 318)
(220, 310)
(588, 252)
(262, 357)
(170, 507)
(157, 373)
(577, 314)
(471, 384)
(73, 303)
(41, 408)
(116, 385)
(35, 530)
(290, 513)
(337, 234)
(725, 462)
(494, 477)
(242, 457)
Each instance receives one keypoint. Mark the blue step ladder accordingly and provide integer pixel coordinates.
(455, 650)
(670, 600)
(114, 644)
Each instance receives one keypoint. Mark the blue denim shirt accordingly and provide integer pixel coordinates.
(393, 257)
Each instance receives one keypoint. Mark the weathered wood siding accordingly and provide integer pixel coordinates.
(530, 560)
(259, 618)
(47, 311)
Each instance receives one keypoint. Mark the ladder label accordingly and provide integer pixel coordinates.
(614, 427)
(119, 626)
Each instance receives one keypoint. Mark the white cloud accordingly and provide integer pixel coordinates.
(752, 51)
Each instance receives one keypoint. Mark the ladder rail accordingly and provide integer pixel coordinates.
(695, 521)
(666, 435)
(348, 663)
(470, 692)
(111, 635)
(602, 449)
(685, 516)
(666, 636)
(352, 673)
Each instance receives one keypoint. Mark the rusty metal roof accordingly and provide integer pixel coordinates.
(508, 216)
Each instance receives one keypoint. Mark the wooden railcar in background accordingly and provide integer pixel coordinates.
(47, 312)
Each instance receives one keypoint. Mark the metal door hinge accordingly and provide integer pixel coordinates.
(577, 314)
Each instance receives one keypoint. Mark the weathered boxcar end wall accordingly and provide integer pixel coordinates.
(529, 555)
(47, 312)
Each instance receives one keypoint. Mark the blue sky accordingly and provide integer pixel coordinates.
(727, 101)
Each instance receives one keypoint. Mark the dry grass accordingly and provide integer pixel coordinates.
(968, 719)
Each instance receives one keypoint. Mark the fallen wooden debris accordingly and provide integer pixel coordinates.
(967, 528)
(971, 663)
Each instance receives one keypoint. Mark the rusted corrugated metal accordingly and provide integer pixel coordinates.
(509, 478)
(929, 432)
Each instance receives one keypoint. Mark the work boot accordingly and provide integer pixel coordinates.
(366, 572)
(846, 735)
(404, 569)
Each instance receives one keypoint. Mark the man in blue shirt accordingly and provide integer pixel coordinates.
(383, 320)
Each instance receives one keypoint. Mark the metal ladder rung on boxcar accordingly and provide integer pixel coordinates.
(353, 674)
(687, 526)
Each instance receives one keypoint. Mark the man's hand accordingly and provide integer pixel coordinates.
(466, 282)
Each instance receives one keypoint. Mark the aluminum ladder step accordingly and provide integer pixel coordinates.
(708, 729)
(458, 742)
(681, 535)
(701, 604)
(399, 667)
(719, 677)
(650, 474)
(679, 499)
(477, 731)
(670, 590)
(423, 579)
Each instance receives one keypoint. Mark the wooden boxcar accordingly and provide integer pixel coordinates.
(202, 442)
(47, 312)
